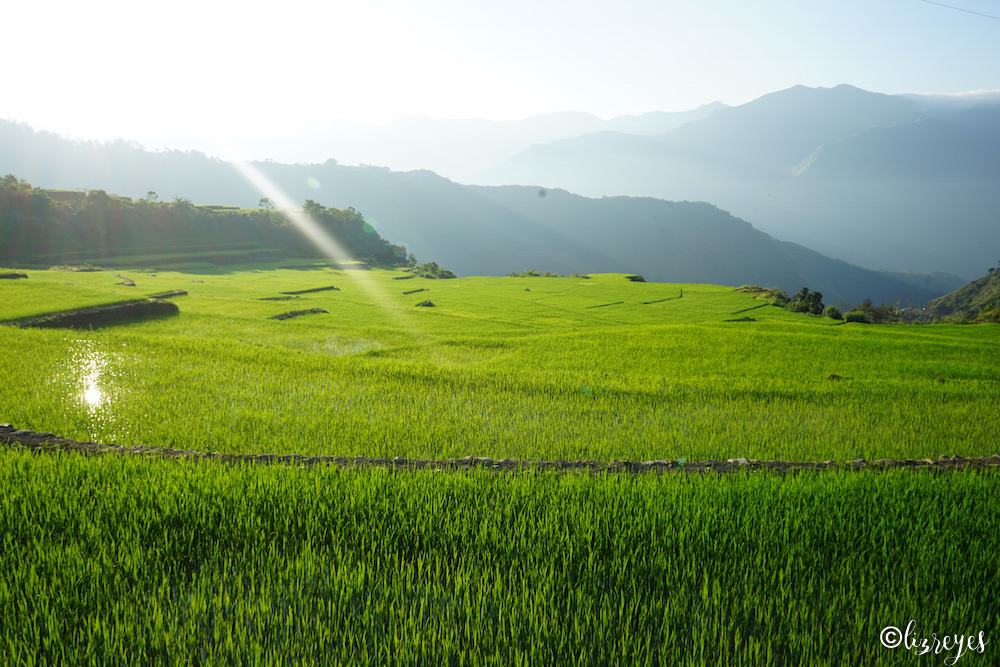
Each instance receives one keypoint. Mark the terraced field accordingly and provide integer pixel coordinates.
(148, 561)
(501, 367)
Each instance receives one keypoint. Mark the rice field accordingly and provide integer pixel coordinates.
(114, 560)
(522, 368)
(154, 562)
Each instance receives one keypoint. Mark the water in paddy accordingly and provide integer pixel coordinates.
(94, 384)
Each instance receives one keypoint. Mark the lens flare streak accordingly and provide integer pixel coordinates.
(313, 231)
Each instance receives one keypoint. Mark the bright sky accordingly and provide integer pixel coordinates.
(109, 68)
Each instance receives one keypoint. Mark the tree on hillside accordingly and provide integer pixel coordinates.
(348, 226)
(805, 301)
(267, 204)
(26, 215)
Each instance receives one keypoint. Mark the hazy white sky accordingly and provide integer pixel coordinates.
(113, 67)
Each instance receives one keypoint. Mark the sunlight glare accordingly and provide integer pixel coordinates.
(91, 366)
(93, 396)
(320, 238)
(93, 374)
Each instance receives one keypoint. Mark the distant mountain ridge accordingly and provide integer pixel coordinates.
(455, 148)
(761, 140)
(888, 182)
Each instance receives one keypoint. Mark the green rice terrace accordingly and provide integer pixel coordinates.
(412, 512)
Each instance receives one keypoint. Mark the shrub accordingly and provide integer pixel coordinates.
(856, 316)
(990, 313)
(773, 296)
(431, 270)
(833, 313)
(887, 313)
(534, 273)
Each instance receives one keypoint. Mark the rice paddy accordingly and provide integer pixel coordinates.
(500, 367)
(156, 562)
(123, 561)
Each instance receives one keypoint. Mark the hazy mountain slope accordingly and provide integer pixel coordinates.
(773, 130)
(744, 148)
(857, 175)
(658, 122)
(921, 196)
(926, 148)
(697, 242)
(477, 230)
(732, 158)
(936, 281)
(454, 148)
(458, 149)
(48, 160)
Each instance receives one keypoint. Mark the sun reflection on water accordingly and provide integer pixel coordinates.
(90, 368)
(93, 396)
(92, 375)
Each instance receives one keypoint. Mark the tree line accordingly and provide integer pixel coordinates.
(50, 226)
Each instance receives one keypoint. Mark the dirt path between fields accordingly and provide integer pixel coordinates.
(38, 442)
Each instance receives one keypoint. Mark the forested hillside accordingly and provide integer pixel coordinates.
(39, 227)
(980, 298)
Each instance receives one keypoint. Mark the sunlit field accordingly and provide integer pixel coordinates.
(530, 368)
(149, 561)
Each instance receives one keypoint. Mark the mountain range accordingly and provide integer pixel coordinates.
(479, 230)
(456, 149)
(890, 182)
